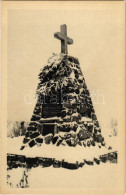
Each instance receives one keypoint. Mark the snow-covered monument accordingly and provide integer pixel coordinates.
(64, 113)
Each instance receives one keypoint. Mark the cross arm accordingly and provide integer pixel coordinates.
(61, 37)
(69, 41)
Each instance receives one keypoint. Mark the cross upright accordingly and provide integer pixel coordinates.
(62, 35)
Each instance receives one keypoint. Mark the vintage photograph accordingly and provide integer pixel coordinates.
(64, 73)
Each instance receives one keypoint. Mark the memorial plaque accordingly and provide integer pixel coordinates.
(51, 110)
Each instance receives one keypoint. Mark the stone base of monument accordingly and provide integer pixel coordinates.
(61, 156)
(15, 161)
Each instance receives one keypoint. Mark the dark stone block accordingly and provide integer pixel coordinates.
(81, 164)
(48, 138)
(88, 112)
(89, 162)
(84, 144)
(71, 142)
(75, 128)
(96, 123)
(94, 117)
(76, 75)
(103, 143)
(109, 148)
(95, 131)
(21, 158)
(39, 140)
(31, 128)
(97, 161)
(31, 162)
(73, 106)
(59, 142)
(33, 124)
(9, 163)
(31, 143)
(76, 61)
(70, 59)
(26, 140)
(77, 66)
(54, 140)
(98, 138)
(71, 90)
(80, 81)
(63, 114)
(77, 91)
(34, 135)
(35, 118)
(48, 84)
(87, 92)
(112, 157)
(75, 71)
(99, 130)
(104, 158)
(11, 157)
(22, 147)
(27, 134)
(37, 111)
(14, 165)
(45, 162)
(93, 143)
(116, 155)
(88, 144)
(95, 137)
(79, 143)
(57, 164)
(90, 128)
(101, 139)
(71, 166)
(82, 135)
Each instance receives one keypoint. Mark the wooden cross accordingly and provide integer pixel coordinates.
(62, 35)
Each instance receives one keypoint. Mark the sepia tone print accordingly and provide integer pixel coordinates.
(68, 126)
(64, 116)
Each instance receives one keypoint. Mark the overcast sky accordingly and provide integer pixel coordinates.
(98, 37)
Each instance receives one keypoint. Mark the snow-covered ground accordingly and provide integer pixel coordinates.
(70, 154)
(64, 178)
(87, 176)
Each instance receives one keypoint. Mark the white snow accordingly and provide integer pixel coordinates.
(15, 176)
(59, 177)
(81, 178)
(51, 118)
(70, 154)
(85, 177)
(72, 75)
(86, 119)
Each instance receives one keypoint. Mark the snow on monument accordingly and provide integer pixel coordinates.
(64, 113)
